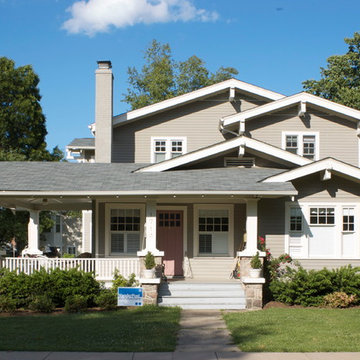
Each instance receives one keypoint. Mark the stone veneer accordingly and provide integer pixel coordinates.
(150, 293)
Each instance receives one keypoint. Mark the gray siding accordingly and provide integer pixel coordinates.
(337, 189)
(198, 122)
(271, 224)
(328, 263)
(333, 132)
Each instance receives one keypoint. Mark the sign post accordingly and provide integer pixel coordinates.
(130, 296)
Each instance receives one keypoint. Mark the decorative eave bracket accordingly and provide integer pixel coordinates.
(302, 109)
(325, 175)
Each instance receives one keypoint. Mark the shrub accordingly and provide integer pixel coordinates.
(121, 281)
(339, 299)
(107, 300)
(41, 303)
(255, 262)
(308, 288)
(149, 261)
(7, 304)
(68, 256)
(75, 303)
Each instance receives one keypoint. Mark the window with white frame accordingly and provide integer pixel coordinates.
(302, 143)
(71, 250)
(57, 224)
(295, 219)
(348, 219)
(213, 231)
(322, 216)
(167, 148)
(124, 231)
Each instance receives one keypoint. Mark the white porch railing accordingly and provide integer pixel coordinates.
(103, 267)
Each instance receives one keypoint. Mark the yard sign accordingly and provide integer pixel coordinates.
(130, 296)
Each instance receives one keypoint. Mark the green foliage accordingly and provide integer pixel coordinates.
(340, 80)
(56, 284)
(75, 303)
(107, 300)
(68, 256)
(308, 288)
(149, 261)
(339, 299)
(162, 78)
(120, 281)
(255, 261)
(7, 304)
(41, 303)
(14, 225)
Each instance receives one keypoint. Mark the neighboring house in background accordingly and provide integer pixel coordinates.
(67, 234)
(191, 178)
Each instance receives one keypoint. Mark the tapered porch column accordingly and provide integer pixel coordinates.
(33, 234)
(251, 229)
(150, 231)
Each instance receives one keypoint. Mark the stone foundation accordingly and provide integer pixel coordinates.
(254, 295)
(150, 294)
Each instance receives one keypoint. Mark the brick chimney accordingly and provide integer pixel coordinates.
(103, 112)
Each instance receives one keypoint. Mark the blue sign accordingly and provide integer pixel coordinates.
(130, 296)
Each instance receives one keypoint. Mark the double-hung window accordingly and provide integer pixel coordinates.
(124, 231)
(165, 148)
(302, 143)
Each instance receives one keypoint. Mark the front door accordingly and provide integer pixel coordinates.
(169, 235)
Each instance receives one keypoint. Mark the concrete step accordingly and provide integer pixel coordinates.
(189, 295)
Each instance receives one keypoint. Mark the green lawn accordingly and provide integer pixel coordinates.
(143, 329)
(296, 330)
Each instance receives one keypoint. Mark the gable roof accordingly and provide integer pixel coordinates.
(318, 102)
(224, 146)
(82, 143)
(329, 165)
(195, 95)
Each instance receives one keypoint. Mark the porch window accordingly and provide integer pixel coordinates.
(213, 231)
(322, 216)
(57, 224)
(125, 231)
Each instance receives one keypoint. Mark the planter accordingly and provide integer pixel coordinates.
(254, 273)
(149, 273)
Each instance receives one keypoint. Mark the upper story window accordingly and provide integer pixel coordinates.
(302, 143)
(57, 224)
(166, 148)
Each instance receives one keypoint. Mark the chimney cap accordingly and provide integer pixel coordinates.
(104, 64)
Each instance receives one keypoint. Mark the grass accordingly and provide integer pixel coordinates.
(296, 330)
(148, 328)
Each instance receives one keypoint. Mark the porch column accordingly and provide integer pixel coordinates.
(150, 231)
(33, 234)
(251, 229)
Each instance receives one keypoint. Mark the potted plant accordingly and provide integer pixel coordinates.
(149, 262)
(256, 266)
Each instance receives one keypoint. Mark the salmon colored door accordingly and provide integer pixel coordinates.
(169, 233)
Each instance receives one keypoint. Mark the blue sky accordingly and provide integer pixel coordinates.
(275, 44)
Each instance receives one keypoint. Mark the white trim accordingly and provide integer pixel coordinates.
(108, 208)
(184, 209)
(338, 226)
(168, 140)
(268, 150)
(329, 164)
(230, 208)
(300, 135)
(192, 96)
(327, 105)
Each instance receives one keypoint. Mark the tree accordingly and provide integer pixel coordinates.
(22, 135)
(340, 81)
(22, 123)
(162, 78)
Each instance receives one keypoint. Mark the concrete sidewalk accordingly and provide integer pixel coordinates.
(197, 355)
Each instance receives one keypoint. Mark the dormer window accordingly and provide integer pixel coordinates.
(166, 148)
(302, 143)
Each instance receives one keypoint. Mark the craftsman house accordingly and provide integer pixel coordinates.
(196, 179)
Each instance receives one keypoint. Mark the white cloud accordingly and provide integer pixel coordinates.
(93, 16)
